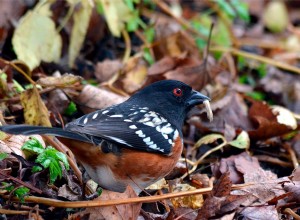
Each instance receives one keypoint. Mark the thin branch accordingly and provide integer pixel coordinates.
(148, 199)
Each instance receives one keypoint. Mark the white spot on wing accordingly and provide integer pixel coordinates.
(167, 130)
(104, 112)
(158, 128)
(147, 139)
(140, 133)
(132, 127)
(127, 120)
(119, 140)
(85, 120)
(149, 123)
(116, 116)
(170, 141)
(95, 115)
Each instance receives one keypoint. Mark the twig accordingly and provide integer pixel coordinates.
(258, 58)
(20, 182)
(292, 213)
(165, 8)
(127, 44)
(149, 199)
(292, 154)
(13, 212)
(273, 160)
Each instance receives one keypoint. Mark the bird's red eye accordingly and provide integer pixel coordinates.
(177, 92)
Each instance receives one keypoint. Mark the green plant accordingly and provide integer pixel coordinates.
(47, 157)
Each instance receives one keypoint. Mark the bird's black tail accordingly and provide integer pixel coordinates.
(31, 130)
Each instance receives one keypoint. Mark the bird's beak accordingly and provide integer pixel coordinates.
(196, 99)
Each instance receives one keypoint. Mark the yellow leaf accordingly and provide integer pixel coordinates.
(35, 111)
(116, 13)
(81, 19)
(35, 39)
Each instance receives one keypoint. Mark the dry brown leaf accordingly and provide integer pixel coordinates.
(35, 111)
(266, 122)
(61, 81)
(14, 143)
(106, 69)
(119, 212)
(260, 212)
(135, 79)
(92, 98)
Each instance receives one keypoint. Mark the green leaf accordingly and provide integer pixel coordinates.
(99, 191)
(36, 169)
(3, 156)
(241, 9)
(262, 70)
(257, 95)
(242, 141)
(71, 109)
(33, 145)
(133, 22)
(51, 159)
(147, 56)
(63, 158)
(21, 193)
(149, 34)
(226, 8)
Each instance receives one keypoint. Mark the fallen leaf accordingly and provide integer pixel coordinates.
(193, 201)
(106, 69)
(13, 144)
(36, 39)
(260, 212)
(92, 98)
(81, 17)
(119, 212)
(35, 111)
(242, 141)
(265, 121)
(135, 79)
(59, 81)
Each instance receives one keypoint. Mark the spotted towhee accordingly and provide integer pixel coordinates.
(136, 142)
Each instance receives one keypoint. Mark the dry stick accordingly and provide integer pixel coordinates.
(292, 154)
(20, 182)
(127, 46)
(273, 160)
(13, 212)
(165, 8)
(258, 58)
(149, 199)
(72, 163)
(292, 213)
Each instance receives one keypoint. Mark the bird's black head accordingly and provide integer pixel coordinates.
(171, 98)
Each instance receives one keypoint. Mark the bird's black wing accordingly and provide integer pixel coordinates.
(137, 128)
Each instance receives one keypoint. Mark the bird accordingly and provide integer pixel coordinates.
(136, 142)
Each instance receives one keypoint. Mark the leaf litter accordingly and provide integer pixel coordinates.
(241, 165)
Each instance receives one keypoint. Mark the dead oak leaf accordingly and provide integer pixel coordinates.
(35, 111)
(265, 122)
(260, 212)
(118, 212)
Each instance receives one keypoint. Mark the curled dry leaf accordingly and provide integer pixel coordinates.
(60, 81)
(266, 122)
(284, 116)
(13, 144)
(35, 111)
(92, 98)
